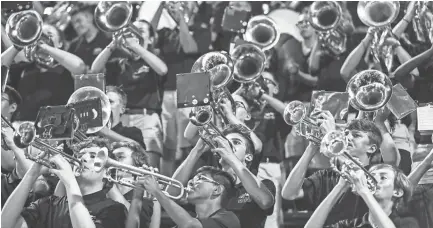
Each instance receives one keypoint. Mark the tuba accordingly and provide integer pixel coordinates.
(25, 31)
(263, 32)
(296, 114)
(115, 17)
(249, 62)
(369, 90)
(325, 18)
(84, 94)
(220, 67)
(379, 15)
(334, 146)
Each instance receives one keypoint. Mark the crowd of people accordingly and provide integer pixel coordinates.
(258, 169)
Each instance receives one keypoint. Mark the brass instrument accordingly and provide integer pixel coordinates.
(115, 17)
(180, 6)
(369, 90)
(59, 15)
(25, 31)
(89, 93)
(334, 145)
(379, 15)
(263, 32)
(25, 136)
(220, 67)
(103, 161)
(421, 23)
(295, 114)
(249, 62)
(325, 17)
(202, 116)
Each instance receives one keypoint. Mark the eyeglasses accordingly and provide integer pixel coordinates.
(302, 24)
(269, 81)
(203, 178)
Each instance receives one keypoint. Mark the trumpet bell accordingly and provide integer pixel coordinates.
(294, 112)
(249, 62)
(325, 16)
(218, 64)
(34, 54)
(369, 90)
(201, 115)
(24, 28)
(262, 31)
(378, 13)
(25, 134)
(333, 144)
(88, 93)
(112, 16)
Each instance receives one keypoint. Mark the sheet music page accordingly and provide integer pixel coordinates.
(425, 118)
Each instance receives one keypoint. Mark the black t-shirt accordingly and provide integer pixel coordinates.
(220, 219)
(130, 132)
(176, 59)
(38, 89)
(89, 51)
(362, 222)
(317, 186)
(53, 212)
(249, 213)
(146, 209)
(139, 81)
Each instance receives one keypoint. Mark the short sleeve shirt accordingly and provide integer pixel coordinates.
(249, 212)
(317, 186)
(88, 51)
(220, 219)
(399, 222)
(130, 132)
(53, 212)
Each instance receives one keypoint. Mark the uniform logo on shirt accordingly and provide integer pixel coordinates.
(244, 198)
(97, 50)
(269, 116)
(140, 72)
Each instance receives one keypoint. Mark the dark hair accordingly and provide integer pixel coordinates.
(139, 155)
(223, 178)
(14, 96)
(401, 182)
(151, 29)
(245, 133)
(82, 8)
(91, 142)
(115, 89)
(368, 127)
(62, 38)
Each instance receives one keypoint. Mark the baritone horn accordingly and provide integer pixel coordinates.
(103, 161)
(249, 62)
(379, 15)
(334, 145)
(295, 114)
(263, 32)
(369, 90)
(25, 136)
(325, 18)
(115, 17)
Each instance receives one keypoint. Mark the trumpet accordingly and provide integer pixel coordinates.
(115, 17)
(84, 94)
(25, 136)
(334, 145)
(379, 15)
(249, 62)
(369, 90)
(25, 31)
(220, 67)
(421, 23)
(103, 161)
(263, 32)
(295, 114)
(325, 18)
(180, 6)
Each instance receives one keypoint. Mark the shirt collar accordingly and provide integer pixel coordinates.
(95, 197)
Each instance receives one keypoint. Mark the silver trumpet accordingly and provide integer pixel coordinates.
(25, 30)
(380, 15)
(369, 90)
(115, 17)
(295, 114)
(325, 18)
(103, 161)
(334, 145)
(202, 116)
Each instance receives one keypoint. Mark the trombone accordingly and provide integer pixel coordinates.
(334, 146)
(103, 161)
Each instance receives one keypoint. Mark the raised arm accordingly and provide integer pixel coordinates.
(98, 65)
(426, 164)
(71, 62)
(399, 28)
(355, 57)
(154, 61)
(388, 149)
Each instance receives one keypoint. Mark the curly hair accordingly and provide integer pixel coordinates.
(139, 155)
(368, 127)
(91, 142)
